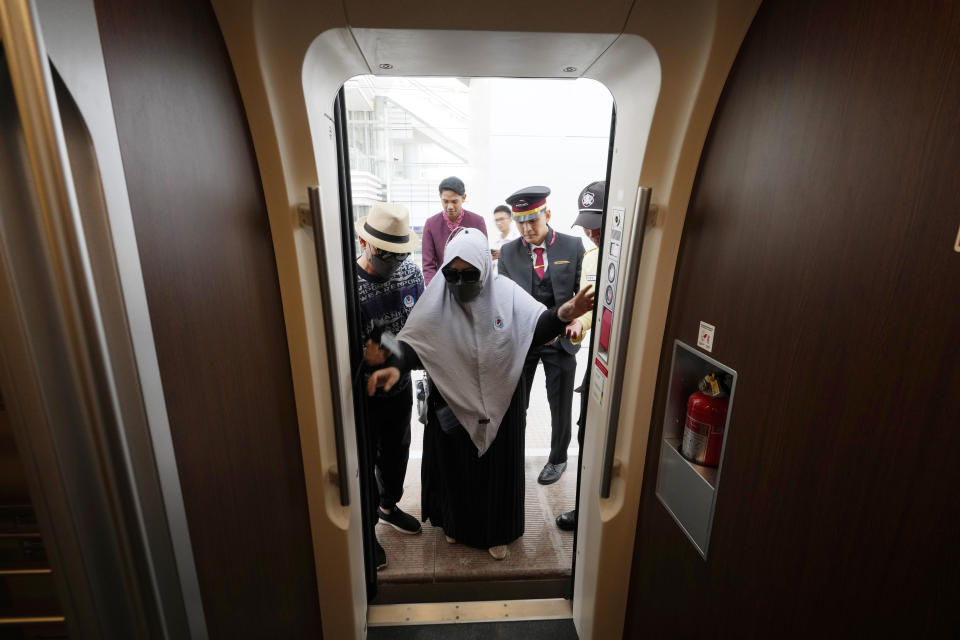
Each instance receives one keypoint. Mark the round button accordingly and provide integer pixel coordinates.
(611, 272)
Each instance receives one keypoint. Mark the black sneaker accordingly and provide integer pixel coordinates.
(380, 555)
(400, 520)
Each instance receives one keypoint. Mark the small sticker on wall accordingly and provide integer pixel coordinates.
(705, 337)
(598, 381)
(617, 213)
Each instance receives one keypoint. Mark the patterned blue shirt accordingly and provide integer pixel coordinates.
(386, 304)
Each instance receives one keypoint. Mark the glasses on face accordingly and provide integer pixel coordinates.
(390, 256)
(469, 275)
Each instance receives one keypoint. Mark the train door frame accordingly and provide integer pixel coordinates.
(646, 75)
(364, 451)
(311, 49)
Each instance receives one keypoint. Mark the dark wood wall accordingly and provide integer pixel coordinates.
(214, 299)
(819, 241)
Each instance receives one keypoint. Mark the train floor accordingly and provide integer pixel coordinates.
(543, 555)
(543, 552)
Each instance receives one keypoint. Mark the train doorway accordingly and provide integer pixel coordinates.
(398, 138)
(611, 459)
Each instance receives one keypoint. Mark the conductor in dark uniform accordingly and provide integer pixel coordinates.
(547, 265)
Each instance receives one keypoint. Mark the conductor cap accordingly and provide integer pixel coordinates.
(528, 203)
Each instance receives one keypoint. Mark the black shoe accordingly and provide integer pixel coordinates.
(551, 472)
(567, 521)
(380, 555)
(400, 520)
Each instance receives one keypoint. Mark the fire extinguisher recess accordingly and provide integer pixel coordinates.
(706, 418)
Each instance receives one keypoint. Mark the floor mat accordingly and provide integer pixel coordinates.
(542, 552)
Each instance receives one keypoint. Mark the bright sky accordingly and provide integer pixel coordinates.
(516, 133)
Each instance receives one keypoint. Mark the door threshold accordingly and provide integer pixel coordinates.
(382, 615)
(472, 591)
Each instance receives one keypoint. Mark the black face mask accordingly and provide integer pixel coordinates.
(464, 292)
(384, 263)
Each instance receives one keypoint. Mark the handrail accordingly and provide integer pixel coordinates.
(629, 287)
(333, 369)
(34, 620)
(25, 572)
(17, 535)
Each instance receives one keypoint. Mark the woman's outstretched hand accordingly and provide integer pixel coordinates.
(578, 305)
(384, 378)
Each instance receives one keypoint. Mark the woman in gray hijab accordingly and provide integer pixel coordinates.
(471, 331)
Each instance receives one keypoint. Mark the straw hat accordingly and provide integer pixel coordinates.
(388, 228)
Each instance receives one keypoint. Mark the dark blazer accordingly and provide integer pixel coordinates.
(565, 259)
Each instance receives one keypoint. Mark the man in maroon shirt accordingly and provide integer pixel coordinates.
(439, 227)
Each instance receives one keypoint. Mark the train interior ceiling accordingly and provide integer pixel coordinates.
(773, 385)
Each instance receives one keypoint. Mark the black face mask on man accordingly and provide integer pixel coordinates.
(464, 284)
(384, 263)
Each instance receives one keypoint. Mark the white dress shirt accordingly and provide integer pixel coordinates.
(497, 242)
(533, 255)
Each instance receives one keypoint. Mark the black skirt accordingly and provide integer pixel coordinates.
(477, 501)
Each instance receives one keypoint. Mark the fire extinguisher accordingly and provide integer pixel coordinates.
(706, 418)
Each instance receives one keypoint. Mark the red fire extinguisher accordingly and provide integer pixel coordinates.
(706, 418)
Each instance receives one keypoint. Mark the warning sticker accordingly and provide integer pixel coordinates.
(705, 336)
(598, 381)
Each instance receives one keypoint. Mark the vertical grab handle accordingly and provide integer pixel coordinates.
(313, 196)
(629, 287)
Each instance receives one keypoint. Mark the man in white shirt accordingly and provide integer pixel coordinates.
(507, 232)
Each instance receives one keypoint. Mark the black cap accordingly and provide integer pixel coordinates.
(591, 205)
(528, 203)
(453, 183)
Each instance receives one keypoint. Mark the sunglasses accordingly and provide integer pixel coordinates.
(390, 256)
(466, 276)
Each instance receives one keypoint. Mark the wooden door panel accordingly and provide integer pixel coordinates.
(214, 299)
(819, 243)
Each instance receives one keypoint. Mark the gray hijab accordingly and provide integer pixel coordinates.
(474, 352)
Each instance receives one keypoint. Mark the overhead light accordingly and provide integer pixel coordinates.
(386, 65)
(569, 69)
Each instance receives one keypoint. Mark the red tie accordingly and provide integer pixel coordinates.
(538, 264)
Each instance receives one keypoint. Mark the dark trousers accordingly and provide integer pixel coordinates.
(560, 369)
(584, 398)
(388, 421)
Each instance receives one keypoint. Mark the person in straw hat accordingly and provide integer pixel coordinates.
(388, 286)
